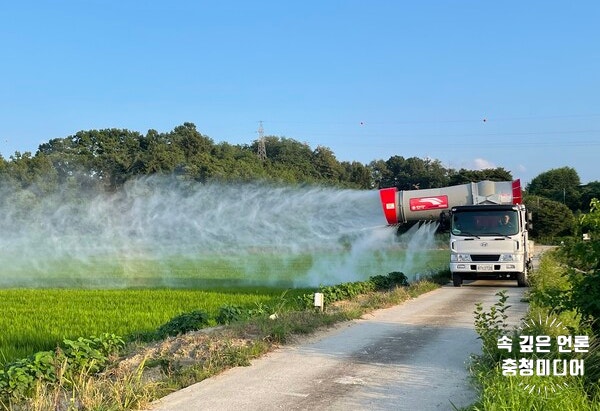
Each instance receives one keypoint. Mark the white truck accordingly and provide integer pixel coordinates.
(488, 226)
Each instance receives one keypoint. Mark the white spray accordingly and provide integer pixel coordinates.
(154, 229)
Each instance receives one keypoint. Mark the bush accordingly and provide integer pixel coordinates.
(585, 296)
(83, 356)
(583, 261)
(398, 279)
(183, 323)
(386, 282)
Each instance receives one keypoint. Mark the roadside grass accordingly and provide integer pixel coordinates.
(546, 317)
(148, 371)
(534, 393)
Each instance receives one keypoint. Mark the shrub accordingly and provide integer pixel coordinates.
(381, 282)
(583, 261)
(82, 356)
(183, 323)
(398, 278)
(491, 325)
(386, 282)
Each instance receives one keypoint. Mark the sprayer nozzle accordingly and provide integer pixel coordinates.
(389, 204)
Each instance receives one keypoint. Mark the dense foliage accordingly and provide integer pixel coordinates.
(561, 185)
(573, 285)
(82, 356)
(107, 158)
(550, 218)
(582, 259)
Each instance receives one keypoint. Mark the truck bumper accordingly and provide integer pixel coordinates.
(496, 270)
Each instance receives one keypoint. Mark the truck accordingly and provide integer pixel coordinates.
(488, 223)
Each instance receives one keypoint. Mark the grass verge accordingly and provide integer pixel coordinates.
(546, 317)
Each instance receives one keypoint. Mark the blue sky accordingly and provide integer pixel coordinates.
(474, 84)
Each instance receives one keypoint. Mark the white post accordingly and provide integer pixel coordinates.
(319, 300)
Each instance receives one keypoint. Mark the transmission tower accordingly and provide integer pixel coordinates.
(262, 150)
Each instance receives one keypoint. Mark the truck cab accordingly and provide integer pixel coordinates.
(489, 241)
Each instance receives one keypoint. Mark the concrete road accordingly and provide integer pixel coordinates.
(410, 357)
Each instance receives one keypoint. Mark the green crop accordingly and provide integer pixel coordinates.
(38, 319)
(132, 296)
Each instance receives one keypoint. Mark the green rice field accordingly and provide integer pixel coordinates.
(38, 319)
(223, 270)
(68, 299)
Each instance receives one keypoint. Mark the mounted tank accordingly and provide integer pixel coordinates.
(425, 205)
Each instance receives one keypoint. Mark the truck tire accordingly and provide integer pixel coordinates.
(522, 280)
(456, 280)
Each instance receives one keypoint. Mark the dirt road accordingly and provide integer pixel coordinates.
(409, 357)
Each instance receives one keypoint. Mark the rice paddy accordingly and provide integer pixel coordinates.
(69, 299)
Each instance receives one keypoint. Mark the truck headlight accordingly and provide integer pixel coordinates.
(505, 258)
(460, 258)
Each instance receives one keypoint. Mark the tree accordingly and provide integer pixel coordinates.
(65, 157)
(380, 175)
(109, 156)
(396, 176)
(290, 160)
(550, 218)
(464, 176)
(411, 173)
(160, 154)
(560, 184)
(425, 173)
(588, 192)
(191, 142)
(32, 172)
(112, 155)
(328, 168)
(357, 175)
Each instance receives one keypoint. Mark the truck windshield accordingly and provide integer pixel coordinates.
(481, 223)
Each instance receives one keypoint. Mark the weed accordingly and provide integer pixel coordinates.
(229, 313)
(491, 325)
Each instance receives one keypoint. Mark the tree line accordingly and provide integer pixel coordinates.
(106, 159)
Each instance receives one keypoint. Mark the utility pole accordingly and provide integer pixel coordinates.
(262, 150)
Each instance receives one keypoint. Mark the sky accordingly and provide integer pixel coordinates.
(474, 84)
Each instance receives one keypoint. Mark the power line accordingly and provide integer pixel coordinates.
(483, 118)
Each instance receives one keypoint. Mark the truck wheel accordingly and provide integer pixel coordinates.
(456, 280)
(522, 280)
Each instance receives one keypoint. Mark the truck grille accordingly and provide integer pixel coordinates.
(485, 257)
